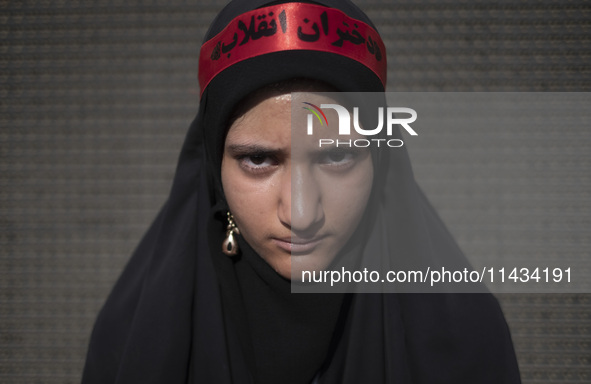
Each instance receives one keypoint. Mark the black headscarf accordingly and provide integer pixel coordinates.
(182, 312)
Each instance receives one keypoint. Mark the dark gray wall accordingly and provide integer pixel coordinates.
(96, 96)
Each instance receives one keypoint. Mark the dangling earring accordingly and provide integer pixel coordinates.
(230, 245)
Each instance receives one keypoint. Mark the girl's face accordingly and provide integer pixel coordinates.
(296, 204)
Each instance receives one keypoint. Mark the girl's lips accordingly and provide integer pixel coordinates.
(296, 245)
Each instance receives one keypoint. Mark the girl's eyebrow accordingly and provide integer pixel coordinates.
(253, 149)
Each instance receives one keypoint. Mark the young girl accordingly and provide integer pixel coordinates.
(206, 296)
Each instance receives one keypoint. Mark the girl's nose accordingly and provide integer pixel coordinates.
(301, 201)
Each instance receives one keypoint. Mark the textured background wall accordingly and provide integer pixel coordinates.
(96, 96)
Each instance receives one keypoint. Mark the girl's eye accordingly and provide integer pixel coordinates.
(257, 160)
(338, 158)
(256, 163)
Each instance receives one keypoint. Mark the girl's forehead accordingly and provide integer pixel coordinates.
(284, 98)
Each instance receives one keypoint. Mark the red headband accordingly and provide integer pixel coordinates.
(292, 26)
